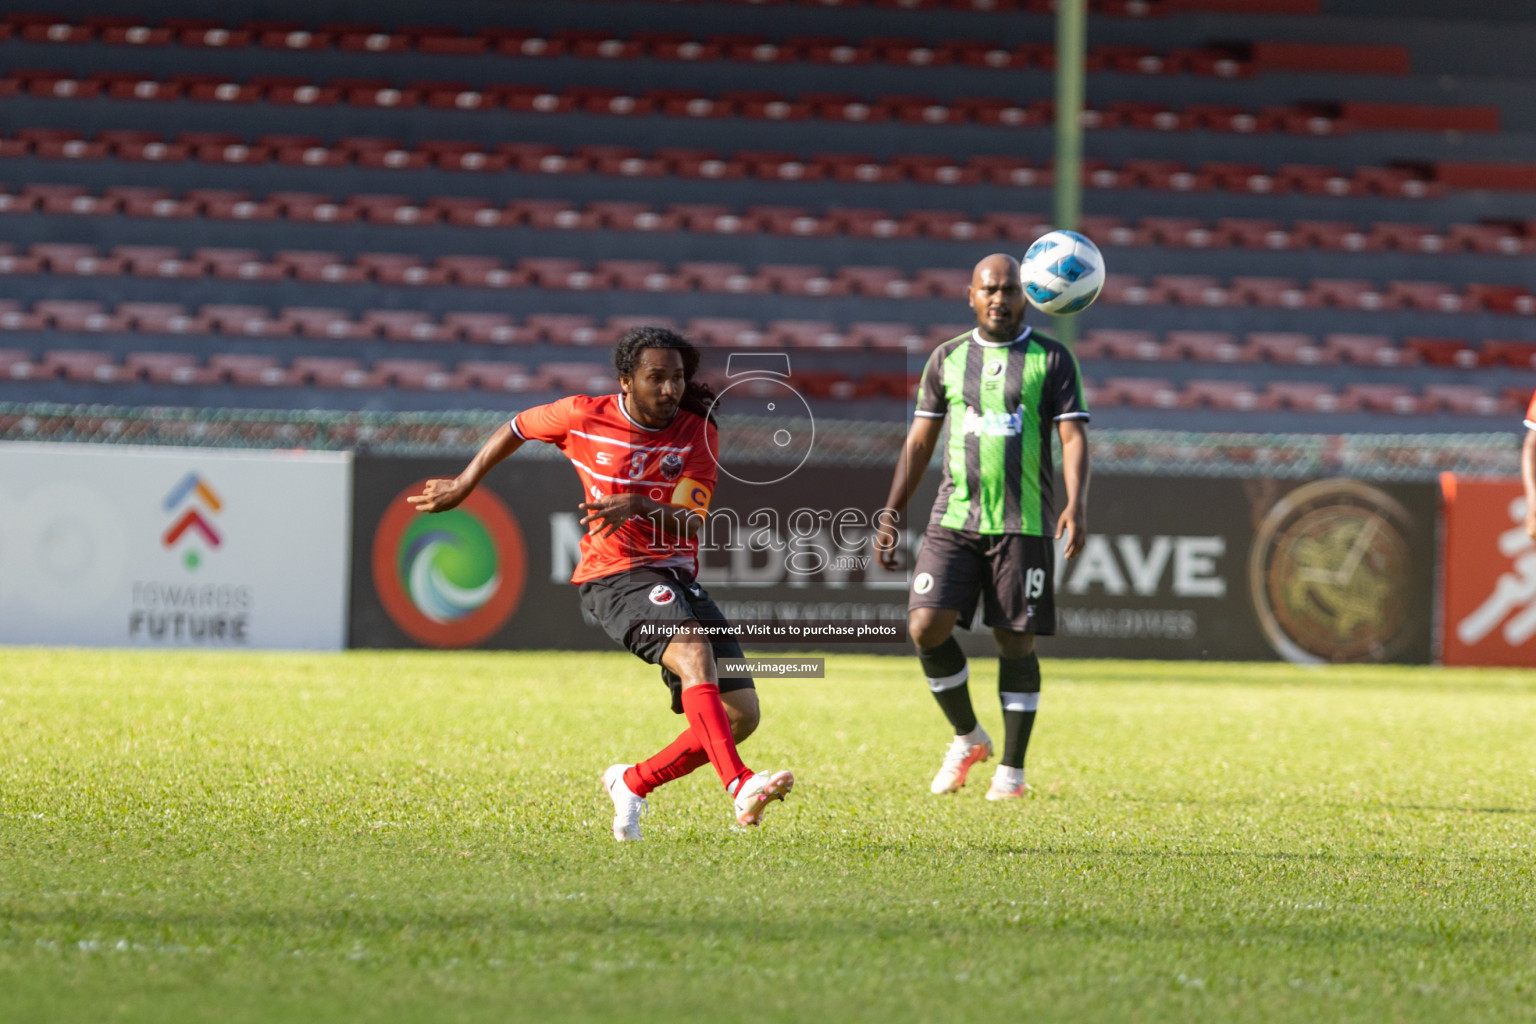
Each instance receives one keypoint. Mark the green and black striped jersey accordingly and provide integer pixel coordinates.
(1002, 400)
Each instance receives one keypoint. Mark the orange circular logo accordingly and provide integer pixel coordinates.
(449, 579)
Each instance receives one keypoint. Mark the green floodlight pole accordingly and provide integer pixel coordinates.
(1071, 55)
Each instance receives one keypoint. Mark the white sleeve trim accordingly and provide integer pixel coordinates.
(1530, 424)
(513, 424)
(1073, 416)
(937, 415)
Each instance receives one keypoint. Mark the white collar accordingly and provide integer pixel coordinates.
(642, 426)
(976, 337)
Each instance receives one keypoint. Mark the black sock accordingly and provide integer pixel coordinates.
(1018, 687)
(947, 673)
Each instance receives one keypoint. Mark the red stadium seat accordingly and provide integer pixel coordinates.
(1286, 347)
(792, 279)
(415, 375)
(720, 277)
(481, 272)
(498, 376)
(876, 282)
(1205, 347)
(1430, 296)
(1270, 292)
(1368, 350)
(820, 334)
(1442, 351)
(251, 321)
(406, 325)
(564, 329)
(725, 331)
(1394, 398)
(77, 365)
(1518, 354)
(893, 337)
(1123, 344)
(317, 322)
(1308, 396)
(328, 372)
(1349, 294)
(64, 315)
(488, 328)
(1463, 399)
(1227, 395)
(250, 370)
(167, 368)
(1140, 393)
(588, 378)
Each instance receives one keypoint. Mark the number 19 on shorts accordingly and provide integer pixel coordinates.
(1034, 583)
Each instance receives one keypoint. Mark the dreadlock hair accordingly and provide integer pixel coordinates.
(698, 397)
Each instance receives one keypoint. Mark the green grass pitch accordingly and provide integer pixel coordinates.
(420, 837)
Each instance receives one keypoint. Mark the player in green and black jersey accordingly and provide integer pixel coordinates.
(1003, 387)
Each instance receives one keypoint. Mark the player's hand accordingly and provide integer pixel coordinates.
(1073, 524)
(607, 514)
(887, 543)
(440, 495)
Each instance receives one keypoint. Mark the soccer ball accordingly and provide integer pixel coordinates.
(1063, 273)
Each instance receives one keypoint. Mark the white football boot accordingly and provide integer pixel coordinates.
(757, 792)
(627, 807)
(964, 752)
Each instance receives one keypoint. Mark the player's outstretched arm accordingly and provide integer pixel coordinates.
(916, 453)
(442, 495)
(1528, 475)
(1073, 521)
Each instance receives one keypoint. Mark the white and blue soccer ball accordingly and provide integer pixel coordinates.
(1063, 272)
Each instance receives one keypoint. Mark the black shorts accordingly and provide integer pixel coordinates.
(1013, 573)
(622, 601)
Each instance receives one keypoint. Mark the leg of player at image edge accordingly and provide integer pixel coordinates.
(947, 672)
(707, 740)
(1018, 689)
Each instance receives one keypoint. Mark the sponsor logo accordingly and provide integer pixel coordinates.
(993, 424)
(191, 492)
(1510, 607)
(449, 579)
(671, 466)
(662, 594)
(994, 369)
(922, 583)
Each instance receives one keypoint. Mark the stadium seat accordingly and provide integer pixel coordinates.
(328, 372)
(1368, 350)
(79, 365)
(250, 370)
(406, 325)
(415, 374)
(1517, 354)
(167, 368)
(1309, 396)
(488, 328)
(1286, 347)
(1205, 347)
(1393, 398)
(1227, 395)
(1442, 351)
(1463, 399)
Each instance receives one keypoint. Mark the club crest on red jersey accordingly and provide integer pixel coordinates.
(662, 594)
(671, 466)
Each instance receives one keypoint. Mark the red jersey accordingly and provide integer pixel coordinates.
(614, 454)
(1530, 414)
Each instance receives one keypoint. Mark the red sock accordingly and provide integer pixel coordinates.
(683, 756)
(712, 731)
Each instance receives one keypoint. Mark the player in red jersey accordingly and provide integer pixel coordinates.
(1528, 468)
(647, 476)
